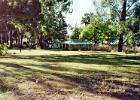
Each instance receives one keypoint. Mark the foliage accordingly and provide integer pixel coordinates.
(120, 10)
(94, 31)
(43, 19)
(86, 19)
(137, 38)
(133, 26)
(53, 20)
(111, 31)
(136, 10)
(87, 33)
(105, 24)
(76, 32)
(3, 49)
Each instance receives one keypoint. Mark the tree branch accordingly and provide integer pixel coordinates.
(130, 6)
(116, 9)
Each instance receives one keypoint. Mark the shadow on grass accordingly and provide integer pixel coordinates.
(100, 82)
(100, 59)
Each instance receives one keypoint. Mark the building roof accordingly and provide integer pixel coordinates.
(77, 42)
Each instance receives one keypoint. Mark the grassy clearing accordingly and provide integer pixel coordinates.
(76, 75)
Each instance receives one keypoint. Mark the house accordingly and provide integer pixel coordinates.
(76, 44)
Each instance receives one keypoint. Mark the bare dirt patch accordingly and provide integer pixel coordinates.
(32, 91)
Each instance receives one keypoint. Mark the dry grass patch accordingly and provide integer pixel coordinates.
(64, 75)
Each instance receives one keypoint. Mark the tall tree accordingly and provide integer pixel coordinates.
(122, 18)
(120, 9)
(53, 19)
(41, 18)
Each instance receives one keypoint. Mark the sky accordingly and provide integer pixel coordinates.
(80, 7)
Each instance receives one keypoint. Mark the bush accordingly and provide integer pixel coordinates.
(132, 50)
(3, 49)
(102, 48)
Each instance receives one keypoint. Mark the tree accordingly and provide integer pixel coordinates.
(121, 9)
(15, 12)
(76, 32)
(87, 33)
(53, 20)
(122, 18)
(111, 31)
(94, 31)
(43, 19)
(136, 25)
(86, 19)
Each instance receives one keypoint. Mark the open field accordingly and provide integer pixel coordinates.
(69, 75)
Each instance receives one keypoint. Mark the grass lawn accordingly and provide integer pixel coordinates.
(69, 75)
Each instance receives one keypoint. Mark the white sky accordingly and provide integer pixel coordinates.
(80, 7)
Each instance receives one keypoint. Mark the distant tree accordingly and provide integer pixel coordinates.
(43, 19)
(86, 19)
(76, 32)
(87, 33)
(94, 31)
(15, 12)
(133, 25)
(120, 9)
(111, 31)
(53, 19)
(136, 24)
(101, 28)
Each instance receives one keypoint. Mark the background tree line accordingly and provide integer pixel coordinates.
(40, 22)
(114, 21)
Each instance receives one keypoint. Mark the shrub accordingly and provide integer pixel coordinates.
(102, 48)
(132, 50)
(3, 49)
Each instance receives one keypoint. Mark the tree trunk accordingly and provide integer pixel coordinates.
(122, 19)
(7, 38)
(1, 38)
(21, 41)
(120, 45)
(11, 39)
(41, 41)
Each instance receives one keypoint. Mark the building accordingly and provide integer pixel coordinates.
(76, 44)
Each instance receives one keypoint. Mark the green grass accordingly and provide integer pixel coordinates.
(113, 74)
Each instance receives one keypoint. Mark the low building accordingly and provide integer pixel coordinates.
(76, 44)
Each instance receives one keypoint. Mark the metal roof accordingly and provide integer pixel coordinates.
(77, 42)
